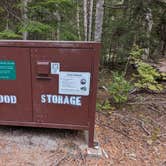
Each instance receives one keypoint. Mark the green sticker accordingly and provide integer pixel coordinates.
(7, 70)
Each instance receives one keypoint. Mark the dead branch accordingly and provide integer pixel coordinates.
(142, 124)
(115, 6)
(145, 129)
(139, 120)
(19, 19)
(156, 123)
(116, 130)
(154, 109)
(162, 135)
(61, 159)
(145, 103)
(162, 117)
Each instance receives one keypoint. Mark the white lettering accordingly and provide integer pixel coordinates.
(43, 99)
(58, 99)
(49, 98)
(66, 100)
(73, 100)
(8, 99)
(54, 99)
(1, 99)
(13, 100)
(78, 101)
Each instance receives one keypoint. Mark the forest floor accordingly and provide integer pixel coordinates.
(130, 135)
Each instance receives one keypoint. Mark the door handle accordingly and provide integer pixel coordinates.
(43, 77)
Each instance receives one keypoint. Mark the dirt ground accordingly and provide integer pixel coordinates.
(130, 135)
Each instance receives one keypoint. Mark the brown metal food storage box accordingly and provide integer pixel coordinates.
(49, 84)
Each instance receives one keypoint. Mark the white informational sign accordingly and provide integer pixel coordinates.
(55, 68)
(74, 83)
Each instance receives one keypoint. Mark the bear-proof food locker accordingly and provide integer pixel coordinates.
(49, 84)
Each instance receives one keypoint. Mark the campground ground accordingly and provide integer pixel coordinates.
(133, 134)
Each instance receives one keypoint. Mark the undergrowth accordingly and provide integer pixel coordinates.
(119, 88)
(146, 77)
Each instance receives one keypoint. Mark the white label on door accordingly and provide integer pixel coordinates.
(74, 83)
(55, 68)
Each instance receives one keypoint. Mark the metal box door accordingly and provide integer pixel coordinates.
(45, 81)
(15, 85)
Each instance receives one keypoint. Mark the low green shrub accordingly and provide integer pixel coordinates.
(136, 54)
(119, 88)
(104, 106)
(146, 75)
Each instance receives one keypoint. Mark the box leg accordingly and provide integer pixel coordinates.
(91, 137)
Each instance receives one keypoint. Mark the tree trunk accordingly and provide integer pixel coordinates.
(85, 20)
(162, 28)
(58, 25)
(90, 19)
(149, 25)
(99, 20)
(78, 21)
(7, 22)
(25, 17)
(58, 19)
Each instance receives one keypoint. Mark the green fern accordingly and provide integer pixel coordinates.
(105, 106)
(147, 75)
(9, 34)
(35, 27)
(119, 88)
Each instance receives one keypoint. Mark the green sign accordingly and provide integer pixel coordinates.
(7, 70)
